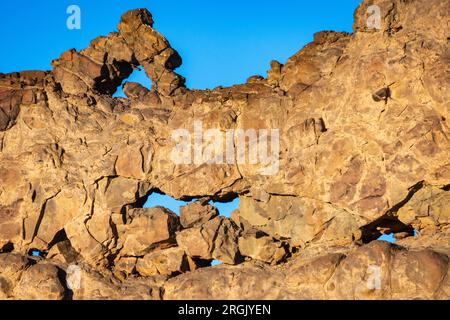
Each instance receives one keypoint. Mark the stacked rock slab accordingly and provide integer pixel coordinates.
(364, 150)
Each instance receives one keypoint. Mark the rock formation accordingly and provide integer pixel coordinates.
(364, 150)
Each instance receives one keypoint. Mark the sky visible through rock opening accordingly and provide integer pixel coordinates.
(221, 43)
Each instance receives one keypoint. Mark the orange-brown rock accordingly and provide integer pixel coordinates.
(363, 150)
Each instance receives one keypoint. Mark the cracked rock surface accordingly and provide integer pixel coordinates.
(364, 150)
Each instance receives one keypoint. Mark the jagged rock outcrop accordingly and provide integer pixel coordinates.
(357, 146)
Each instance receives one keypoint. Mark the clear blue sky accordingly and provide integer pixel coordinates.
(221, 42)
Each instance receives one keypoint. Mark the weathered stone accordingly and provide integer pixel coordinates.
(127, 265)
(225, 282)
(165, 262)
(195, 243)
(380, 270)
(262, 248)
(151, 50)
(11, 267)
(134, 90)
(19, 88)
(40, 281)
(101, 67)
(427, 211)
(63, 252)
(58, 210)
(358, 147)
(130, 163)
(307, 279)
(100, 286)
(215, 239)
(147, 229)
(274, 73)
(299, 220)
(10, 227)
(226, 248)
(196, 214)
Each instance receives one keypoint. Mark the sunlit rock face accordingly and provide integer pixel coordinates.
(351, 138)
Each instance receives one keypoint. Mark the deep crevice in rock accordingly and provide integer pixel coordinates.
(156, 197)
(9, 247)
(59, 237)
(136, 85)
(384, 225)
(62, 276)
(389, 222)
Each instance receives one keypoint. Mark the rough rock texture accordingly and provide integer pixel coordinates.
(196, 214)
(364, 150)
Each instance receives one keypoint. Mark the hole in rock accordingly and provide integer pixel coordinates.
(215, 263)
(225, 208)
(384, 228)
(9, 247)
(157, 198)
(137, 76)
(392, 237)
(59, 236)
(36, 253)
(387, 237)
(224, 205)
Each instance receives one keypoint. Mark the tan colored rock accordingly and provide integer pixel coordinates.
(215, 239)
(83, 242)
(147, 229)
(130, 163)
(63, 251)
(427, 211)
(262, 248)
(100, 67)
(134, 90)
(12, 266)
(226, 248)
(165, 262)
(40, 281)
(196, 214)
(94, 285)
(195, 243)
(420, 273)
(10, 227)
(299, 220)
(120, 191)
(151, 50)
(374, 272)
(225, 282)
(126, 265)
(349, 274)
(60, 209)
(307, 279)
(19, 88)
(274, 73)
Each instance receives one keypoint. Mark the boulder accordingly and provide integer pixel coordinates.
(215, 239)
(167, 262)
(196, 214)
(40, 281)
(262, 248)
(147, 229)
